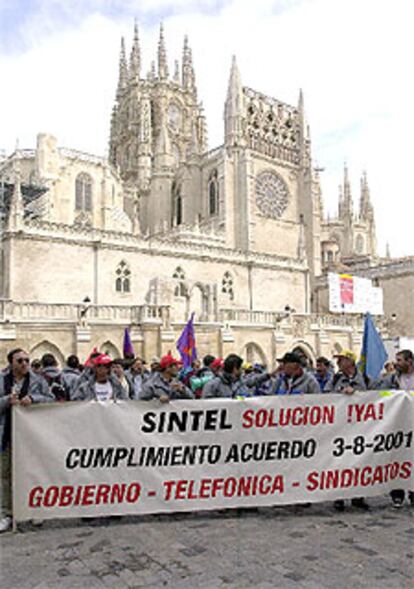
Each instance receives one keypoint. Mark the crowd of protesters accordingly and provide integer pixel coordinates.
(102, 378)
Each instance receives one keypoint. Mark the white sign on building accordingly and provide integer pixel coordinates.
(353, 294)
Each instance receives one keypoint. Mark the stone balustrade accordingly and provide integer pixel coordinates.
(21, 312)
(284, 319)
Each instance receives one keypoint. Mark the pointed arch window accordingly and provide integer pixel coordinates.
(178, 209)
(180, 290)
(123, 277)
(83, 192)
(227, 285)
(213, 193)
(177, 216)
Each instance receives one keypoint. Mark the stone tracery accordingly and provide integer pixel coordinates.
(272, 195)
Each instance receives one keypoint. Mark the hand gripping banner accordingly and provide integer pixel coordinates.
(99, 459)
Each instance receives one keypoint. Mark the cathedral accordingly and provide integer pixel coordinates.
(165, 227)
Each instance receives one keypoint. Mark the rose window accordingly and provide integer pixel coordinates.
(272, 195)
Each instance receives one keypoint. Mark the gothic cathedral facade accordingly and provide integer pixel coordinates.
(164, 226)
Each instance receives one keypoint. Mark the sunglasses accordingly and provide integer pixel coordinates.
(21, 360)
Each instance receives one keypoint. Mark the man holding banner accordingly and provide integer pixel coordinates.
(402, 379)
(18, 386)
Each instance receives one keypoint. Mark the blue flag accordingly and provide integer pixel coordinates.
(186, 344)
(128, 348)
(373, 353)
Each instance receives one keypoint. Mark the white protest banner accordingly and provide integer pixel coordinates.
(353, 294)
(97, 459)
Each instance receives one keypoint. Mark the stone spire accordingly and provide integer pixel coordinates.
(176, 72)
(301, 111)
(135, 58)
(387, 250)
(233, 109)
(123, 70)
(162, 56)
(16, 212)
(348, 206)
(340, 201)
(365, 206)
(151, 71)
(188, 75)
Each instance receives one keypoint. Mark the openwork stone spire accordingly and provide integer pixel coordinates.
(135, 59)
(233, 110)
(188, 74)
(176, 72)
(162, 56)
(123, 70)
(348, 206)
(365, 206)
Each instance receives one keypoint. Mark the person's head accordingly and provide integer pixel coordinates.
(102, 365)
(346, 360)
(233, 365)
(304, 362)
(389, 367)
(292, 364)
(404, 361)
(118, 367)
(322, 365)
(155, 364)
(169, 366)
(280, 365)
(247, 367)
(208, 360)
(48, 361)
(19, 362)
(36, 366)
(137, 365)
(72, 361)
(90, 360)
(217, 366)
(196, 365)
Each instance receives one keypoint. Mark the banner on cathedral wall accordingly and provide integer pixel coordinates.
(353, 294)
(99, 459)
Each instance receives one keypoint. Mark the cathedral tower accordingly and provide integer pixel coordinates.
(157, 127)
(269, 200)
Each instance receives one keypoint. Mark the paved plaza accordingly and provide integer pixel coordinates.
(286, 548)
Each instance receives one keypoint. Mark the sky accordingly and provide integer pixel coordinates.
(352, 58)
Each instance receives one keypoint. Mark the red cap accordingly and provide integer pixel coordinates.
(167, 361)
(102, 360)
(217, 363)
(89, 359)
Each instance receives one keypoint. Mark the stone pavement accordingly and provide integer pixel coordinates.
(286, 548)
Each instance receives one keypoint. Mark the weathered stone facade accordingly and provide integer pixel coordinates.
(164, 227)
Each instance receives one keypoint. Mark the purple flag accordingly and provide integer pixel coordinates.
(186, 344)
(128, 348)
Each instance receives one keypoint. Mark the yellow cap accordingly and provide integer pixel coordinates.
(247, 366)
(346, 354)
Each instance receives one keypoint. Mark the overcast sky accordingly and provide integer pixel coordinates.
(353, 59)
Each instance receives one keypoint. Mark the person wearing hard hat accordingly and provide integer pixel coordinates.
(100, 385)
(347, 380)
(165, 385)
